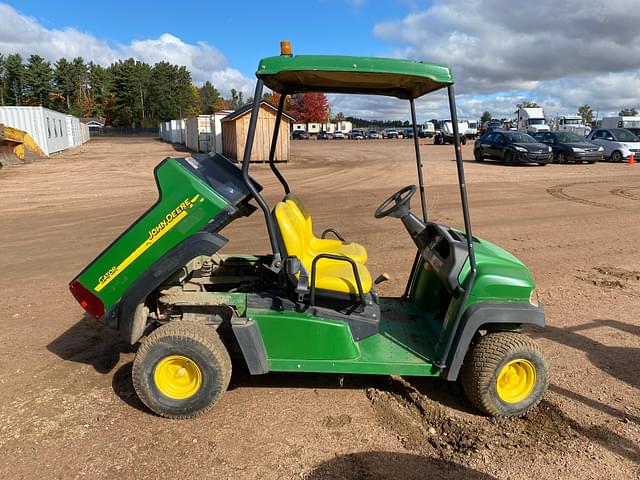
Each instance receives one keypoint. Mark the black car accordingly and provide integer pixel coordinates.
(570, 147)
(300, 135)
(511, 147)
(323, 135)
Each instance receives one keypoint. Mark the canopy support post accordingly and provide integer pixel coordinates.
(416, 143)
(444, 357)
(276, 264)
(274, 141)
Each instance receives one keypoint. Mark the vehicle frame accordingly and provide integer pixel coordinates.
(164, 284)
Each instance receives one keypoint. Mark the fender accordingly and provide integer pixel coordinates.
(130, 325)
(489, 313)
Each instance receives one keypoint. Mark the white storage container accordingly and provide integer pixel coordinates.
(73, 131)
(47, 127)
(216, 120)
(176, 131)
(198, 133)
(85, 133)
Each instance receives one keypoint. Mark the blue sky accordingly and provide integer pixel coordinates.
(560, 54)
(242, 31)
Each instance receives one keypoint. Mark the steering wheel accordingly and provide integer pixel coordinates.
(400, 201)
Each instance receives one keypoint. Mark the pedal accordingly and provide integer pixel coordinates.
(383, 277)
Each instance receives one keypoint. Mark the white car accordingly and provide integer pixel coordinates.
(338, 135)
(618, 143)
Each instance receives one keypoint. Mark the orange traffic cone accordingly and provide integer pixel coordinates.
(632, 159)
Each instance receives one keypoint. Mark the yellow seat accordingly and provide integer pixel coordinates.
(332, 275)
(319, 245)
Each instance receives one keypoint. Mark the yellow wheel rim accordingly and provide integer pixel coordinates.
(516, 380)
(177, 377)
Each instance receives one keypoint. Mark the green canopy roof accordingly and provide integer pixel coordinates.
(342, 74)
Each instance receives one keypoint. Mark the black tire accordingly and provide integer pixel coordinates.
(195, 342)
(478, 154)
(508, 157)
(488, 357)
(616, 157)
(463, 140)
(439, 140)
(560, 158)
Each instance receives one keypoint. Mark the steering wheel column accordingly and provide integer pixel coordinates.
(398, 205)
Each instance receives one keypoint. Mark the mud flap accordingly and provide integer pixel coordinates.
(250, 340)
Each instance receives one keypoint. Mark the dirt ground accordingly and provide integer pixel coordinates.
(68, 409)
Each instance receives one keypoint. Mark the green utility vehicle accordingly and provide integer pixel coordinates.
(311, 304)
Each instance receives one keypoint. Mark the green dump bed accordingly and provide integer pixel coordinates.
(195, 194)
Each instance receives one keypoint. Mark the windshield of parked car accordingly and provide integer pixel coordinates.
(624, 135)
(516, 137)
(568, 137)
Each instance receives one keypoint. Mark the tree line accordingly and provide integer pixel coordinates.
(125, 93)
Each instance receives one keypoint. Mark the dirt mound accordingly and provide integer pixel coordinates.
(423, 425)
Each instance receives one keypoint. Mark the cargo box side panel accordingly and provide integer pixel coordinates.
(185, 205)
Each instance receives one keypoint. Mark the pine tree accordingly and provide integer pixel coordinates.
(14, 78)
(37, 81)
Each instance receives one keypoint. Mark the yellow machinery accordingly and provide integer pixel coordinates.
(17, 145)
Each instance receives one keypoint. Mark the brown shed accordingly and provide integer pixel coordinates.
(236, 125)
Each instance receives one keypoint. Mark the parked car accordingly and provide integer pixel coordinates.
(389, 133)
(373, 135)
(512, 147)
(338, 135)
(357, 134)
(568, 146)
(300, 135)
(635, 131)
(407, 132)
(323, 135)
(618, 143)
(489, 126)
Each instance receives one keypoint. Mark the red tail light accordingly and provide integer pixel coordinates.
(87, 300)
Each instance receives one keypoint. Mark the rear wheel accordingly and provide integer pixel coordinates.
(505, 374)
(181, 370)
(616, 156)
(478, 155)
(561, 158)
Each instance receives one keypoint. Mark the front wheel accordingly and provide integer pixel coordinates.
(505, 374)
(478, 155)
(616, 157)
(181, 370)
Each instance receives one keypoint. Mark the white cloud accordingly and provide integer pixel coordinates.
(562, 54)
(25, 35)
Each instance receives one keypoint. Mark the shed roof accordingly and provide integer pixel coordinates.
(348, 74)
(247, 108)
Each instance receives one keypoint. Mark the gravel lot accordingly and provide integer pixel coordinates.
(68, 410)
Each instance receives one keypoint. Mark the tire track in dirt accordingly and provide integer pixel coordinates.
(558, 191)
(624, 192)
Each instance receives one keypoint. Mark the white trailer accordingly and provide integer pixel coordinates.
(572, 123)
(621, 122)
(472, 129)
(531, 120)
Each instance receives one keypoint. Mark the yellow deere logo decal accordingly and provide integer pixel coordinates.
(169, 221)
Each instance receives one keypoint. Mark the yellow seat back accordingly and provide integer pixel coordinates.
(293, 232)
